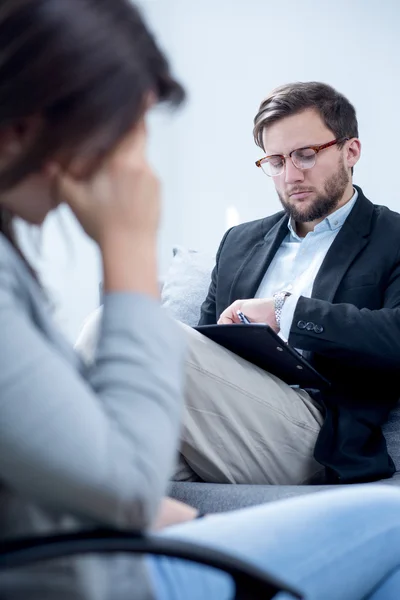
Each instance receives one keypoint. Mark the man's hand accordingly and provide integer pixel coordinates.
(257, 310)
(173, 512)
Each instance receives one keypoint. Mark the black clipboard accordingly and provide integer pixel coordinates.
(259, 344)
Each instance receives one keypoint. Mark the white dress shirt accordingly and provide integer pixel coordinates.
(297, 262)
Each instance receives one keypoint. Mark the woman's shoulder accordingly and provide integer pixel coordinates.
(16, 277)
(7, 250)
(23, 300)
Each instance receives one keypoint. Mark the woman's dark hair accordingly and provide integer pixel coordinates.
(85, 68)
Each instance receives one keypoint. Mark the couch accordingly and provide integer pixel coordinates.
(184, 288)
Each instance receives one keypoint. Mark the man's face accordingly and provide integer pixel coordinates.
(310, 194)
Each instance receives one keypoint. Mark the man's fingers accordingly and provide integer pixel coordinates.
(225, 320)
(226, 317)
(229, 315)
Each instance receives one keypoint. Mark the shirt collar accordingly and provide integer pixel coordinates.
(333, 221)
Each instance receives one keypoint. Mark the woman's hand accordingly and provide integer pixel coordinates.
(119, 208)
(173, 512)
(121, 199)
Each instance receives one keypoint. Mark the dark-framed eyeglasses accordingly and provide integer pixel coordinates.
(302, 158)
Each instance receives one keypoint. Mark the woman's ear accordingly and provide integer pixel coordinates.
(15, 138)
(10, 145)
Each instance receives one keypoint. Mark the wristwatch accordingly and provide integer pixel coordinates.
(279, 301)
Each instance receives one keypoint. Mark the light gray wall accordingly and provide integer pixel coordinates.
(229, 54)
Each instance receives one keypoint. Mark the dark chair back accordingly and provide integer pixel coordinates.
(251, 582)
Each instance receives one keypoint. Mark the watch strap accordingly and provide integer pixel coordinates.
(279, 301)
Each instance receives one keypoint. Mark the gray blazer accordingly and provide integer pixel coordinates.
(78, 445)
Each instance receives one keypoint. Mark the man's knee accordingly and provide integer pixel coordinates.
(194, 339)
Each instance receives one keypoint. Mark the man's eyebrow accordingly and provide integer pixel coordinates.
(308, 145)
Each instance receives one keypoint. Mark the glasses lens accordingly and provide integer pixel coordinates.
(273, 166)
(304, 159)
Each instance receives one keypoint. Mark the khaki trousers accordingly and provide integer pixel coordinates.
(242, 424)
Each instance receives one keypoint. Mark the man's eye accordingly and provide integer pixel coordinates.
(275, 161)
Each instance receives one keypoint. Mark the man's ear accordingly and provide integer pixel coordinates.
(353, 152)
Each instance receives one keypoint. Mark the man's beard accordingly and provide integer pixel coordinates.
(325, 203)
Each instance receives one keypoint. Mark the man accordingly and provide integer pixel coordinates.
(325, 274)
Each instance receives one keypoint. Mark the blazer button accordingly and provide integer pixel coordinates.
(318, 328)
(301, 324)
(310, 326)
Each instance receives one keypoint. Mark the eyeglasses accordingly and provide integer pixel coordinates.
(302, 158)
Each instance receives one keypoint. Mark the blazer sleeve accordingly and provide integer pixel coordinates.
(101, 448)
(208, 313)
(369, 338)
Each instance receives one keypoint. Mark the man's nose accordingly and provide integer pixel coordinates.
(292, 173)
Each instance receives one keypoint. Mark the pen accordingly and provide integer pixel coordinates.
(243, 318)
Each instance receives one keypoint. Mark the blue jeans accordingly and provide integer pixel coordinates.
(335, 545)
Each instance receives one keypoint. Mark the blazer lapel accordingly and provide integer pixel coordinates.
(349, 242)
(257, 261)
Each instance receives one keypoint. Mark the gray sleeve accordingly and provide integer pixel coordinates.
(103, 448)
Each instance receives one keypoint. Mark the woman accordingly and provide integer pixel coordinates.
(80, 447)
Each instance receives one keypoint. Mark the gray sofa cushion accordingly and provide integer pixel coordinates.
(183, 290)
(211, 497)
(186, 284)
(185, 287)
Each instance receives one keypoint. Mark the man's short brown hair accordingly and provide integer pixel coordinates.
(336, 111)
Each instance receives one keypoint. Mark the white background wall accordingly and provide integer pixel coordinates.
(229, 54)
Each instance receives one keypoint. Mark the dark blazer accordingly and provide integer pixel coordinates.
(355, 335)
